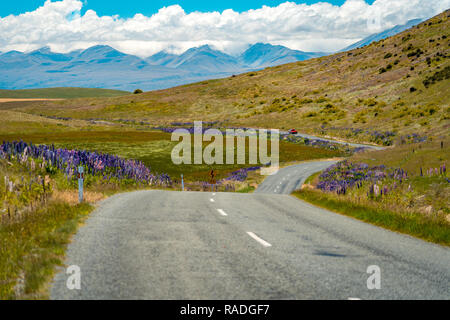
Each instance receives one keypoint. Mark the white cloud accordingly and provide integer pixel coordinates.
(317, 27)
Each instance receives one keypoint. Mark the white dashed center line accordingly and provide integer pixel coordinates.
(222, 212)
(212, 200)
(261, 241)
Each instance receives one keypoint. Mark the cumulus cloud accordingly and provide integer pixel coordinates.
(316, 27)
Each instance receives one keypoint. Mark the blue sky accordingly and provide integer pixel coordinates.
(148, 7)
(145, 27)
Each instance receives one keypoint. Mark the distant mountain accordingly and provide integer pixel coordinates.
(95, 67)
(206, 60)
(265, 55)
(105, 67)
(383, 35)
(10, 60)
(104, 56)
(162, 58)
(44, 55)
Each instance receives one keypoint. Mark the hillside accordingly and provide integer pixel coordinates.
(60, 93)
(399, 85)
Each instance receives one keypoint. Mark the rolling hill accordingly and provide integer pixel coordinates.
(397, 85)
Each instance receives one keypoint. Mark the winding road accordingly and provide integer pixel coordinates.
(354, 145)
(266, 245)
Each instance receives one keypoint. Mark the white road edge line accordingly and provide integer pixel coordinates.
(222, 212)
(350, 298)
(261, 241)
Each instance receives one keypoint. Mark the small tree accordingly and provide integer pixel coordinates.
(138, 91)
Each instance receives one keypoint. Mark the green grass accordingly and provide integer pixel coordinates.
(410, 157)
(312, 178)
(433, 228)
(418, 206)
(154, 149)
(61, 93)
(31, 247)
(157, 155)
(37, 220)
(247, 189)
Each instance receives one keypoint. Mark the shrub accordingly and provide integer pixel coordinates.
(416, 53)
(437, 76)
(138, 91)
(388, 55)
(306, 101)
(329, 108)
(408, 48)
(406, 38)
(310, 114)
(359, 117)
(370, 102)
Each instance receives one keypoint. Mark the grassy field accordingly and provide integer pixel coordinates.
(39, 211)
(154, 149)
(430, 228)
(36, 222)
(417, 203)
(397, 85)
(61, 93)
(30, 249)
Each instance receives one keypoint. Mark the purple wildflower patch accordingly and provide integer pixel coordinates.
(104, 165)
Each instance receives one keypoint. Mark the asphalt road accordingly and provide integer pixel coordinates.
(193, 245)
(355, 145)
(291, 178)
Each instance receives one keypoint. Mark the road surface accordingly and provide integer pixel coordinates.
(193, 245)
(354, 145)
(291, 178)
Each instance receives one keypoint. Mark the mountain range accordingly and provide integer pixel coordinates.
(102, 66)
(106, 67)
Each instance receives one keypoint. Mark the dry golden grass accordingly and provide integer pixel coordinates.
(71, 196)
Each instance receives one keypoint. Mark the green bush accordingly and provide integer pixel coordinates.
(437, 76)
